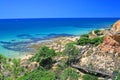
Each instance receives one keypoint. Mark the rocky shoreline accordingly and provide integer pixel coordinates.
(58, 44)
(105, 57)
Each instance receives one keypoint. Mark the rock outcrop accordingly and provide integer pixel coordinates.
(111, 42)
(106, 56)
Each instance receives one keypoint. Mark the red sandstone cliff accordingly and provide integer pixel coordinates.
(111, 42)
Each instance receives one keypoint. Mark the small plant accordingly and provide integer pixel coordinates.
(46, 63)
(43, 53)
(16, 68)
(96, 41)
(97, 31)
(71, 51)
(84, 41)
(85, 35)
(89, 77)
(39, 75)
(91, 65)
(1, 76)
(69, 74)
(116, 75)
(2, 59)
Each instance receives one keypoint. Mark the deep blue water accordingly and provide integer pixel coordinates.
(15, 34)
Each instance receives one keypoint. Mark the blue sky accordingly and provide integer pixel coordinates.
(59, 8)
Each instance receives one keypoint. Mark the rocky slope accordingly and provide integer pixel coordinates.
(111, 43)
(106, 56)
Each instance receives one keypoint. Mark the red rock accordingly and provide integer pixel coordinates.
(111, 40)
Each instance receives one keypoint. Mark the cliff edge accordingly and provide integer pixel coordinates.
(106, 56)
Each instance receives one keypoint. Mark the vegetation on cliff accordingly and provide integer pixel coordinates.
(84, 40)
(71, 51)
(10, 68)
(89, 77)
(70, 74)
(39, 75)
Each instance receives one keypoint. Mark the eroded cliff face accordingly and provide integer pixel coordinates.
(111, 42)
(106, 56)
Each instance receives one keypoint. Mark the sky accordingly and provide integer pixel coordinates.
(59, 8)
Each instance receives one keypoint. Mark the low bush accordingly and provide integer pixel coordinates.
(116, 75)
(71, 51)
(69, 74)
(97, 31)
(85, 35)
(39, 75)
(43, 53)
(84, 41)
(89, 77)
(96, 41)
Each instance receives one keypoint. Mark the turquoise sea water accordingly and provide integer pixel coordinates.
(17, 34)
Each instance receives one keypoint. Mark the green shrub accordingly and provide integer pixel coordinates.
(46, 63)
(73, 43)
(116, 75)
(96, 41)
(2, 59)
(9, 78)
(69, 74)
(1, 76)
(85, 35)
(62, 65)
(89, 77)
(71, 51)
(16, 70)
(44, 57)
(39, 75)
(83, 41)
(43, 53)
(97, 31)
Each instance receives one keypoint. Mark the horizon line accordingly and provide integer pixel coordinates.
(61, 18)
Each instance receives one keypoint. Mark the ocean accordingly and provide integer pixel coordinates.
(16, 34)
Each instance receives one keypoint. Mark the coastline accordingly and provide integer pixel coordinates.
(16, 44)
(91, 53)
(57, 44)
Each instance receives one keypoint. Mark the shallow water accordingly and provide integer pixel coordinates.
(17, 34)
